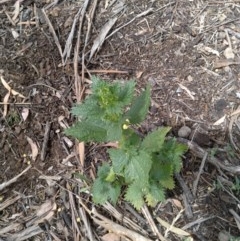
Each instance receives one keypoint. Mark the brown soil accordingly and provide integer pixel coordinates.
(176, 47)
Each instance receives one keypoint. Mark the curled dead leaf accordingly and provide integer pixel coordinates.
(46, 207)
(34, 148)
(13, 92)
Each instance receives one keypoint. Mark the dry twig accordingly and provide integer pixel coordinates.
(45, 140)
(11, 181)
(200, 152)
(195, 183)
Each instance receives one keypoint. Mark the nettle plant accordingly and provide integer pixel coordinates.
(141, 168)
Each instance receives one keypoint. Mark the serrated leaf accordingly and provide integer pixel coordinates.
(168, 183)
(138, 168)
(103, 190)
(139, 107)
(156, 194)
(179, 150)
(119, 160)
(161, 171)
(153, 142)
(114, 131)
(134, 195)
(125, 92)
(103, 170)
(113, 97)
(87, 131)
(88, 109)
(129, 139)
(172, 153)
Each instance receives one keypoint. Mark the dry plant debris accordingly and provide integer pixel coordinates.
(187, 50)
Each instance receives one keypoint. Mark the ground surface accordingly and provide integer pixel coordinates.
(187, 50)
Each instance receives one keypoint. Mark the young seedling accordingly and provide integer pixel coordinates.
(141, 167)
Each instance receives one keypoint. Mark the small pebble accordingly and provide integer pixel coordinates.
(184, 131)
(223, 236)
(222, 35)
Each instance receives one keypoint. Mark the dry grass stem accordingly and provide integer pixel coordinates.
(152, 224)
(116, 228)
(122, 218)
(51, 29)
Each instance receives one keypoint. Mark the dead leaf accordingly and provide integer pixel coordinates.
(25, 113)
(228, 53)
(187, 90)
(13, 92)
(5, 106)
(15, 34)
(111, 144)
(220, 63)
(81, 153)
(43, 213)
(68, 142)
(220, 121)
(16, 10)
(102, 35)
(139, 74)
(177, 203)
(62, 122)
(34, 148)
(46, 207)
(111, 237)
(106, 4)
(211, 50)
(173, 229)
(236, 112)
(68, 45)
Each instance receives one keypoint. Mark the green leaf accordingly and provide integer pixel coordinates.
(114, 131)
(179, 150)
(112, 98)
(103, 170)
(172, 153)
(103, 190)
(87, 131)
(153, 142)
(125, 92)
(139, 107)
(129, 139)
(138, 168)
(156, 194)
(161, 171)
(89, 109)
(145, 166)
(134, 195)
(119, 160)
(111, 177)
(168, 183)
